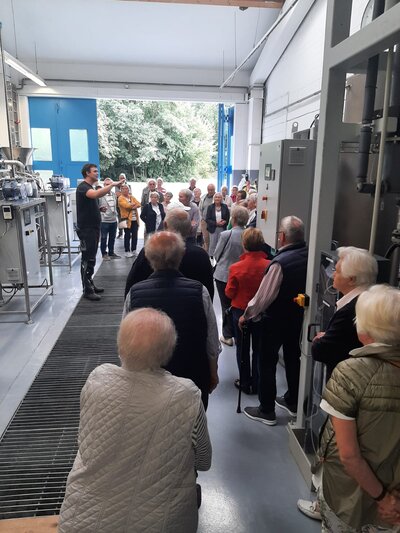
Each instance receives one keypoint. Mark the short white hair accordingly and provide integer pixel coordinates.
(378, 314)
(146, 339)
(164, 250)
(152, 180)
(359, 264)
(123, 175)
(154, 193)
(293, 228)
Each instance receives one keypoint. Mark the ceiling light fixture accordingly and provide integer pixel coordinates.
(23, 69)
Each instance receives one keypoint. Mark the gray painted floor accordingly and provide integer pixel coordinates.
(253, 484)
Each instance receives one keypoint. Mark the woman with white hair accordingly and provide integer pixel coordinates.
(153, 214)
(142, 434)
(359, 452)
(355, 271)
(217, 219)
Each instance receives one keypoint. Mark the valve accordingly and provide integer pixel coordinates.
(302, 300)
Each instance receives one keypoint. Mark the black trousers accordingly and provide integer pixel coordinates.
(274, 335)
(131, 237)
(227, 327)
(89, 241)
(249, 374)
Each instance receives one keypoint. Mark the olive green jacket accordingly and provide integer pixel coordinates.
(365, 387)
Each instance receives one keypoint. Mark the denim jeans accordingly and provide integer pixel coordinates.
(108, 231)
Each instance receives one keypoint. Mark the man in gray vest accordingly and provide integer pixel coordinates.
(282, 319)
(188, 304)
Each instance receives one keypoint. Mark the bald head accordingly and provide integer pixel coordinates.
(164, 250)
(178, 221)
(146, 339)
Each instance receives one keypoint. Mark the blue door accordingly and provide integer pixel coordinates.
(64, 135)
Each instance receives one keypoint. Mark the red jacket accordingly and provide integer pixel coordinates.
(245, 277)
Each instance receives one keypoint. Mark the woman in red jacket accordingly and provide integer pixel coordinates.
(244, 279)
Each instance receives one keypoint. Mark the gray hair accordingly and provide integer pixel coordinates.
(252, 197)
(293, 228)
(187, 193)
(359, 264)
(154, 193)
(123, 175)
(146, 339)
(164, 250)
(178, 221)
(378, 314)
(152, 180)
(239, 216)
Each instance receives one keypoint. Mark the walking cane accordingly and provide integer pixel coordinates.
(244, 333)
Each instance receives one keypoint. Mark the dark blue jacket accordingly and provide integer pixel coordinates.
(339, 339)
(293, 261)
(181, 298)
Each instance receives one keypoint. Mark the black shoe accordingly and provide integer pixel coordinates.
(198, 490)
(281, 402)
(114, 256)
(91, 296)
(256, 414)
(97, 290)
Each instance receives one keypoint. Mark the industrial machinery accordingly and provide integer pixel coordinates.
(59, 206)
(360, 172)
(285, 184)
(24, 231)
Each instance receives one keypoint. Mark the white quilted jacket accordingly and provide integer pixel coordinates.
(134, 471)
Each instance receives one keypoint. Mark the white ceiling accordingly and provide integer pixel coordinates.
(133, 34)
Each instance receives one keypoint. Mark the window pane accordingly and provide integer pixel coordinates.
(41, 142)
(78, 140)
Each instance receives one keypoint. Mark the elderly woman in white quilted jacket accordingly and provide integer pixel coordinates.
(142, 434)
(360, 445)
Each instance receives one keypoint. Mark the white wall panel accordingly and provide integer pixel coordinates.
(298, 75)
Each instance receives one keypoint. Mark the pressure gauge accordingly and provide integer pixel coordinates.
(367, 16)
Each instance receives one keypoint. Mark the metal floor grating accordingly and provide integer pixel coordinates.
(39, 446)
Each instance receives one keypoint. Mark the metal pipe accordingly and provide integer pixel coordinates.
(257, 46)
(13, 162)
(5, 92)
(378, 182)
(370, 89)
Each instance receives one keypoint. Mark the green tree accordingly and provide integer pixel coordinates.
(175, 140)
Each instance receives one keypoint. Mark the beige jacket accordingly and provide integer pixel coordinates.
(135, 468)
(365, 387)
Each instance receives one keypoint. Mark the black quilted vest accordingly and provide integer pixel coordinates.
(181, 298)
(293, 261)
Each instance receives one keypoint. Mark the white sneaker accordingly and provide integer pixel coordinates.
(309, 508)
(128, 254)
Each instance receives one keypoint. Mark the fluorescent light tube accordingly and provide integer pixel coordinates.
(23, 69)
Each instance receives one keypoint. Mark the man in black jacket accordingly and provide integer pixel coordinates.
(281, 321)
(195, 262)
(188, 304)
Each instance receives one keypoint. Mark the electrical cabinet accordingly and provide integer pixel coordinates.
(285, 184)
(59, 206)
(19, 242)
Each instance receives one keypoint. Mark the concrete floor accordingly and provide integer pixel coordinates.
(253, 484)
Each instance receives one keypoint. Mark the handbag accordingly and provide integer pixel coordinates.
(123, 223)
